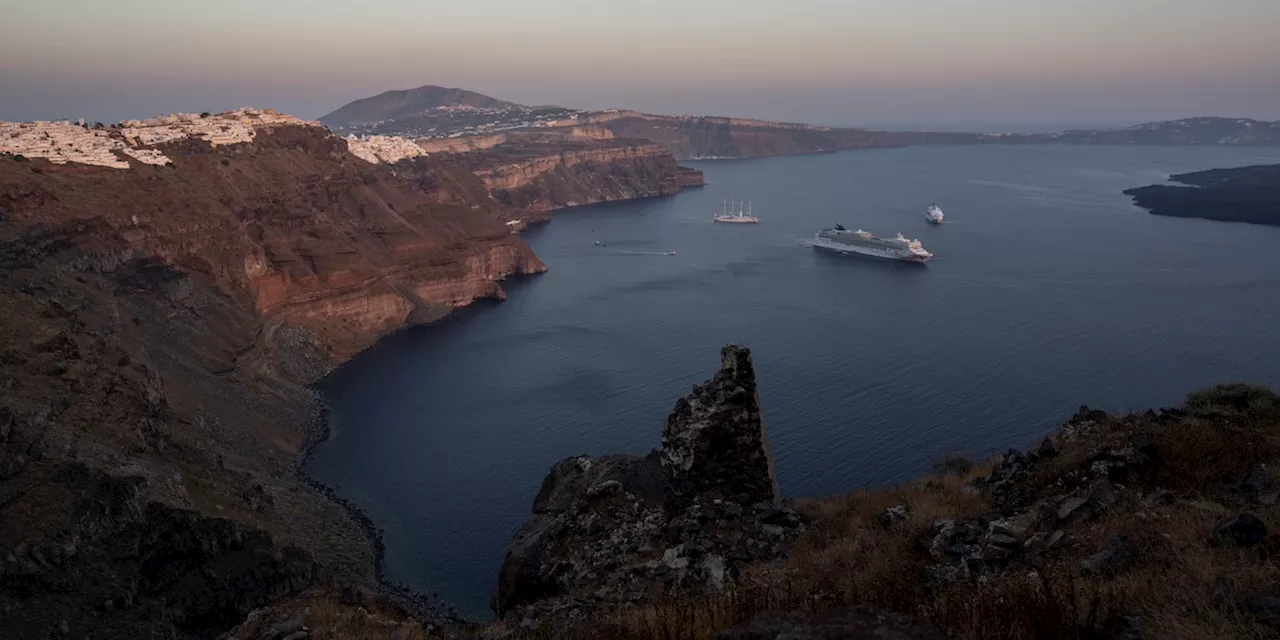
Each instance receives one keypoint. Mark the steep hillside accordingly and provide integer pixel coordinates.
(160, 324)
(394, 105)
(1144, 525)
(1243, 194)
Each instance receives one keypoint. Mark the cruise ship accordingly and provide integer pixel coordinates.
(860, 242)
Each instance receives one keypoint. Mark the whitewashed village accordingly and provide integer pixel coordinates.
(62, 142)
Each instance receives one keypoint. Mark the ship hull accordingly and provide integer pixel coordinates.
(874, 252)
(730, 220)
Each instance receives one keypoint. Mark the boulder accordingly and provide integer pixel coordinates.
(583, 477)
(1046, 449)
(893, 515)
(714, 442)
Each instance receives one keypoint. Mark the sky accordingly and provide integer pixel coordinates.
(963, 64)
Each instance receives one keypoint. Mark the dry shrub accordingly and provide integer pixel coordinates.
(1197, 454)
(1235, 399)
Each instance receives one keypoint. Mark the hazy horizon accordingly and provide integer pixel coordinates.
(994, 65)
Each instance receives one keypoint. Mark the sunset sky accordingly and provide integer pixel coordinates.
(994, 64)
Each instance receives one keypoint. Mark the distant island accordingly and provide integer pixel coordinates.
(433, 112)
(1243, 194)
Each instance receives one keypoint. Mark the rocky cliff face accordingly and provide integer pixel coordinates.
(537, 173)
(715, 137)
(292, 224)
(625, 529)
(160, 324)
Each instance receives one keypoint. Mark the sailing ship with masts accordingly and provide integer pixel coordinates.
(741, 216)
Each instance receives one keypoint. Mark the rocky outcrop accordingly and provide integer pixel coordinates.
(714, 444)
(160, 326)
(1243, 194)
(537, 173)
(626, 529)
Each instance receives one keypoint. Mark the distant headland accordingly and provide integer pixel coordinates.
(1243, 194)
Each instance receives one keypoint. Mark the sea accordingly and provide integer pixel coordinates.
(1048, 290)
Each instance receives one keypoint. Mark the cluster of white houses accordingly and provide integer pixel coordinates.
(62, 142)
(228, 127)
(389, 149)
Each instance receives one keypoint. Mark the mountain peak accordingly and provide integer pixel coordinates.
(391, 105)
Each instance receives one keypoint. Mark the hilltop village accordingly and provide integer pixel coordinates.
(62, 142)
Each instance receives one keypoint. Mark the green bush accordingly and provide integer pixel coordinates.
(1234, 398)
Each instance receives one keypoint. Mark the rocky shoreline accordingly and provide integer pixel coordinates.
(431, 611)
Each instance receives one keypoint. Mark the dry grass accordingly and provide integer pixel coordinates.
(1180, 587)
(330, 618)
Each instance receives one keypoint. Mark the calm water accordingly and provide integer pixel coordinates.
(1049, 290)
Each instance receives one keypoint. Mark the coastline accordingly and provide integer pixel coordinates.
(428, 609)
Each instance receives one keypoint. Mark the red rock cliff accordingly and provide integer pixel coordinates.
(539, 172)
(306, 233)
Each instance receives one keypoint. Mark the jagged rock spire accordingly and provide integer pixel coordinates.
(714, 443)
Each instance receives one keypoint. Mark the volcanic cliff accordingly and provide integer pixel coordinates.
(719, 137)
(160, 324)
(537, 173)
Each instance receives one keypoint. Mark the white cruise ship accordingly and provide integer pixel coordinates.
(863, 243)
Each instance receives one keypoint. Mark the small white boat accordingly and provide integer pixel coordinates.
(934, 214)
(727, 214)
